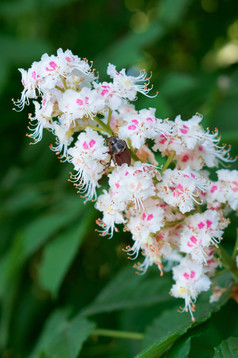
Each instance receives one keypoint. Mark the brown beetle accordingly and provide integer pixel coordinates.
(119, 151)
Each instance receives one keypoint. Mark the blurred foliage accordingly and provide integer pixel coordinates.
(52, 294)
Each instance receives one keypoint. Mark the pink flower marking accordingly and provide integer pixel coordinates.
(192, 175)
(132, 127)
(33, 75)
(193, 239)
(150, 217)
(149, 119)
(163, 140)
(68, 59)
(209, 223)
(91, 143)
(117, 185)
(79, 101)
(85, 146)
(236, 186)
(127, 173)
(200, 148)
(211, 261)
(135, 121)
(202, 193)
(214, 188)
(192, 274)
(185, 158)
(104, 92)
(179, 190)
(53, 66)
(184, 130)
(186, 275)
(201, 225)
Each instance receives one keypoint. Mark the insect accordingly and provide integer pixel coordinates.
(119, 151)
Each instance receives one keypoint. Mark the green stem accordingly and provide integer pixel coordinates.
(173, 223)
(117, 334)
(106, 128)
(228, 262)
(132, 152)
(235, 253)
(109, 117)
(169, 160)
(97, 128)
(64, 82)
(60, 89)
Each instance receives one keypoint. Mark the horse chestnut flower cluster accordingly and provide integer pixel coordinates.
(176, 214)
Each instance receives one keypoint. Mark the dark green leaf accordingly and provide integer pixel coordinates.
(180, 349)
(62, 338)
(168, 327)
(129, 290)
(27, 50)
(71, 335)
(59, 254)
(44, 227)
(35, 235)
(173, 11)
(227, 349)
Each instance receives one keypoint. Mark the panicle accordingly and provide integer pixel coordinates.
(176, 215)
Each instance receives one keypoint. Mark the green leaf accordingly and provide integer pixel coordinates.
(177, 83)
(227, 349)
(59, 254)
(168, 327)
(44, 227)
(128, 50)
(62, 338)
(49, 330)
(131, 45)
(130, 290)
(70, 338)
(180, 349)
(172, 11)
(35, 235)
(27, 50)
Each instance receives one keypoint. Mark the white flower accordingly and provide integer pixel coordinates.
(107, 92)
(148, 221)
(64, 138)
(225, 190)
(162, 246)
(86, 103)
(112, 209)
(133, 184)
(49, 72)
(201, 231)
(180, 188)
(73, 62)
(87, 156)
(194, 146)
(141, 125)
(190, 280)
(229, 179)
(128, 86)
(41, 120)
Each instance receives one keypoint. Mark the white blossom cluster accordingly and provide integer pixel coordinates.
(175, 213)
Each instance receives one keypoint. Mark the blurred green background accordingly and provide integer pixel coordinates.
(192, 49)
